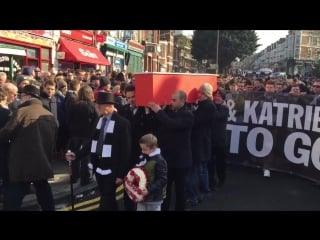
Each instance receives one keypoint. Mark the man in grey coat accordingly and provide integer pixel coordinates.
(32, 134)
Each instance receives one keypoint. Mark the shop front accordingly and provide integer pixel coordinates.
(135, 57)
(12, 58)
(116, 52)
(73, 55)
(77, 51)
(24, 48)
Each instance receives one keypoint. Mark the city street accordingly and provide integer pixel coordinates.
(245, 190)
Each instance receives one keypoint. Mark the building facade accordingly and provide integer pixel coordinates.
(182, 58)
(20, 48)
(77, 50)
(297, 53)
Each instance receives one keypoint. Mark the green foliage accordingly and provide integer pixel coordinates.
(232, 44)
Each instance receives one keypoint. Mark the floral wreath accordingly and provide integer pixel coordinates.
(134, 183)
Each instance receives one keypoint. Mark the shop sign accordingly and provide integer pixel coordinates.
(4, 69)
(87, 53)
(116, 43)
(61, 55)
(120, 44)
(134, 46)
(110, 41)
(42, 33)
(100, 38)
(26, 37)
(78, 35)
(4, 59)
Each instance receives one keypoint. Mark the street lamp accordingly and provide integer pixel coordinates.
(217, 53)
(177, 58)
(158, 52)
(204, 64)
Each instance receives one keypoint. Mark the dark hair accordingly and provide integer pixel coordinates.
(104, 82)
(120, 77)
(130, 88)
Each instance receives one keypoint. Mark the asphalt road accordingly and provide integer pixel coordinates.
(245, 190)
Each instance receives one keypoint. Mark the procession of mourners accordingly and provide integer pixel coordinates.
(91, 119)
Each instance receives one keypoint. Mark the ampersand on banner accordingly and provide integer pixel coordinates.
(232, 113)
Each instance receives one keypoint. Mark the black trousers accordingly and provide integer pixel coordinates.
(129, 205)
(81, 170)
(16, 191)
(107, 187)
(178, 177)
(217, 166)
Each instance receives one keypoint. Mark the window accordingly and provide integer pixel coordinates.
(45, 66)
(45, 53)
(33, 62)
(45, 59)
(127, 34)
(150, 48)
(135, 35)
(309, 53)
(163, 50)
(32, 52)
(64, 66)
(150, 36)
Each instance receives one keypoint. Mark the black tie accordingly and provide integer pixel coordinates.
(101, 137)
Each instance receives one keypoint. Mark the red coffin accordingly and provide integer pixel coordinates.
(158, 87)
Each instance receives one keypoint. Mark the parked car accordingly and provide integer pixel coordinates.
(279, 75)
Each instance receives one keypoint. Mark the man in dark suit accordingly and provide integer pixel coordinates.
(143, 121)
(110, 148)
(175, 125)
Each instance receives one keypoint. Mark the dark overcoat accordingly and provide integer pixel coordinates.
(120, 140)
(201, 138)
(175, 136)
(32, 132)
(141, 124)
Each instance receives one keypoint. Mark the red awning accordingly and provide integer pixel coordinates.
(78, 52)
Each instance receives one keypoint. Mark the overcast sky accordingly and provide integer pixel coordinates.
(266, 36)
(269, 36)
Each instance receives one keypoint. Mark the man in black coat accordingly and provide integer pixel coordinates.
(217, 165)
(175, 125)
(143, 121)
(201, 139)
(110, 148)
(32, 132)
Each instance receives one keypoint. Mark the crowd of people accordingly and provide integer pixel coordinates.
(292, 90)
(93, 121)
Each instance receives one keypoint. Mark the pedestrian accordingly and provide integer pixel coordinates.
(83, 115)
(155, 167)
(5, 115)
(218, 164)
(174, 134)
(142, 121)
(110, 148)
(32, 132)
